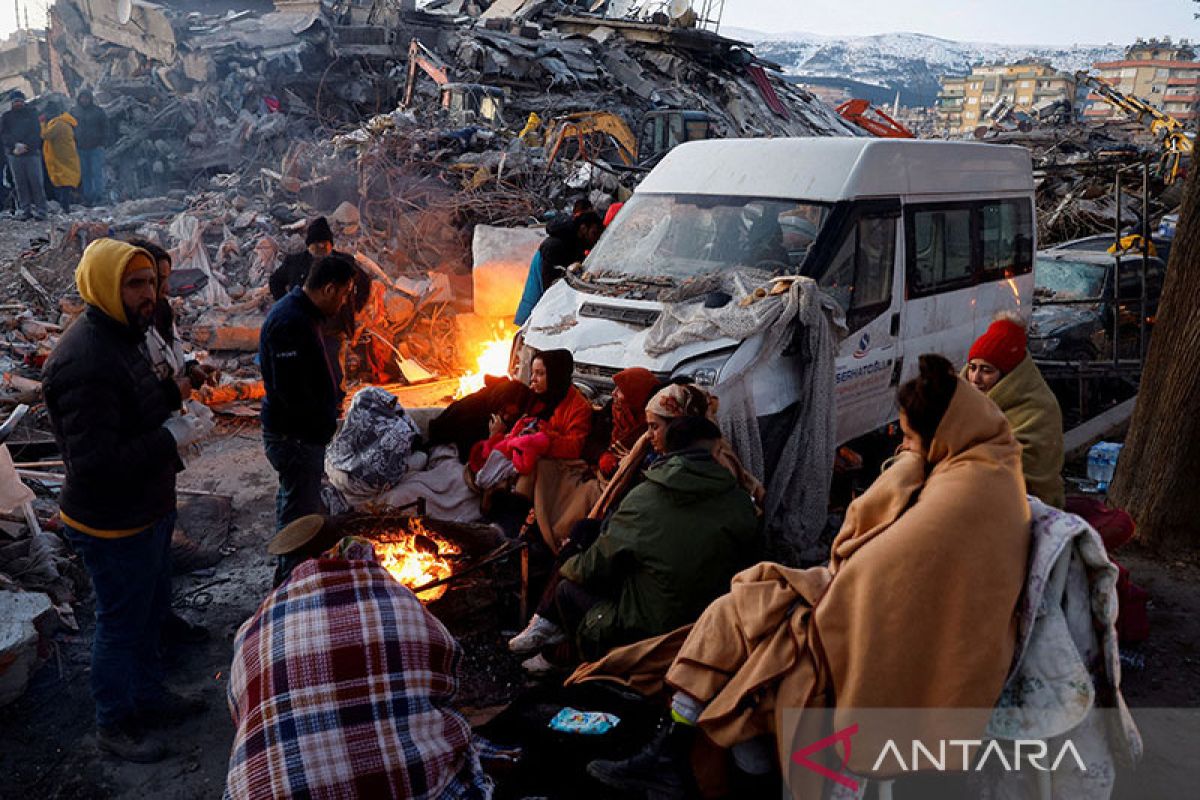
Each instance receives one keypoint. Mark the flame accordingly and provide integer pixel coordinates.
(491, 359)
(1012, 285)
(416, 557)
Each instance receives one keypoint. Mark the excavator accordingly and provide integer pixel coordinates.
(873, 120)
(465, 102)
(1177, 144)
(602, 135)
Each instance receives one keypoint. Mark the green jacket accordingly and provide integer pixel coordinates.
(669, 550)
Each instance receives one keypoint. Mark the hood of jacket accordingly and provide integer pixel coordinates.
(691, 476)
(100, 271)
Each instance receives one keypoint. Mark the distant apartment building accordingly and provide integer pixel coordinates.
(1164, 74)
(964, 103)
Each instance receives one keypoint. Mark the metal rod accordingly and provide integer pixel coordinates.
(1145, 258)
(524, 585)
(500, 552)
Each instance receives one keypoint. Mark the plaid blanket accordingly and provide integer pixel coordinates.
(341, 687)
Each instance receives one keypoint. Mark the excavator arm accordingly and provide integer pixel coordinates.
(1177, 145)
(584, 128)
(873, 120)
(419, 56)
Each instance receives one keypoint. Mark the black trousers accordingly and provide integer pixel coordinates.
(581, 537)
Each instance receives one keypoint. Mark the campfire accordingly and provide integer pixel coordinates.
(418, 556)
(491, 359)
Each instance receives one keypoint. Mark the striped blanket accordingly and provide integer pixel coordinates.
(341, 687)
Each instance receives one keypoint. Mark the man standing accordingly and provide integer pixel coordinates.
(62, 159)
(292, 272)
(111, 417)
(566, 243)
(91, 137)
(300, 411)
(21, 134)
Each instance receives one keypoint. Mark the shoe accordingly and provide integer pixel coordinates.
(171, 707)
(177, 630)
(25, 215)
(539, 633)
(129, 742)
(661, 769)
(539, 666)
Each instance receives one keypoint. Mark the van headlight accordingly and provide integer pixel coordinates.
(706, 370)
(705, 376)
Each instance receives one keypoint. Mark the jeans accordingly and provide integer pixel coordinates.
(91, 167)
(29, 181)
(131, 577)
(300, 465)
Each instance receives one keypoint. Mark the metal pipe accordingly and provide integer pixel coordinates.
(1145, 258)
(1116, 289)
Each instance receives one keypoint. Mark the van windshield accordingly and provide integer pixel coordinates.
(669, 238)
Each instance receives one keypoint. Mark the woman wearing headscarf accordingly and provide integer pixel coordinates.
(915, 610)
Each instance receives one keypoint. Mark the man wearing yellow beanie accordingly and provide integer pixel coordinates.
(114, 424)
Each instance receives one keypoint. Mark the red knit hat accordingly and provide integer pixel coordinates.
(1002, 345)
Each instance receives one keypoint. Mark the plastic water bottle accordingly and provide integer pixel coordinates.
(1102, 463)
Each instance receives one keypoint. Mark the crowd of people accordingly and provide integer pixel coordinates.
(54, 148)
(642, 523)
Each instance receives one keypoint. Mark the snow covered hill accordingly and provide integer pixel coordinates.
(909, 62)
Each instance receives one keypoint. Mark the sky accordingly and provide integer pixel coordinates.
(1003, 21)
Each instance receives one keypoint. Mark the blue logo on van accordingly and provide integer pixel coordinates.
(864, 346)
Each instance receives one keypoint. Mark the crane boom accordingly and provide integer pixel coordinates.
(1177, 144)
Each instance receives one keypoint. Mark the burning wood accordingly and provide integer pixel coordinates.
(492, 359)
(416, 556)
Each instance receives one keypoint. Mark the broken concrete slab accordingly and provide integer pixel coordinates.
(220, 330)
(27, 620)
(501, 259)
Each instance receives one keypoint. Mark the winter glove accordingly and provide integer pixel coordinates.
(186, 429)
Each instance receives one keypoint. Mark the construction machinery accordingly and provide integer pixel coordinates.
(873, 120)
(464, 102)
(1177, 144)
(602, 135)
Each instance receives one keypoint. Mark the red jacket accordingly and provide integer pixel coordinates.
(569, 426)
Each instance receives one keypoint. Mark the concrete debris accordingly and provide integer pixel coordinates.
(27, 620)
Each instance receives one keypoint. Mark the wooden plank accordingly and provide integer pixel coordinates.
(1077, 441)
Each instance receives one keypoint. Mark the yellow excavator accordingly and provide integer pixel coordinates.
(601, 135)
(1177, 144)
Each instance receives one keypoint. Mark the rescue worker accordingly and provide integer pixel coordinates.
(112, 419)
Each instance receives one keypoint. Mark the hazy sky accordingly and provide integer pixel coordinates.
(1005, 21)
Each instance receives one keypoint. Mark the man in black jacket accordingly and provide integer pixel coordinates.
(91, 137)
(112, 419)
(318, 241)
(300, 411)
(567, 242)
(21, 134)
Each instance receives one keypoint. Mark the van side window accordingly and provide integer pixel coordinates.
(1006, 233)
(860, 275)
(941, 249)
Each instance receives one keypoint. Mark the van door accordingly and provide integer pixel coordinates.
(861, 276)
(939, 316)
(1006, 248)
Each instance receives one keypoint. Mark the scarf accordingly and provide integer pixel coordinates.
(629, 414)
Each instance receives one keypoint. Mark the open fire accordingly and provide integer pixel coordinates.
(416, 557)
(491, 359)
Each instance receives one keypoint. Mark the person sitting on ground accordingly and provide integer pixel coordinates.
(567, 242)
(555, 423)
(466, 421)
(343, 685)
(915, 610)
(670, 548)
(999, 365)
(58, 149)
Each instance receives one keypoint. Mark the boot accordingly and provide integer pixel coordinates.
(661, 769)
(177, 630)
(127, 741)
(171, 707)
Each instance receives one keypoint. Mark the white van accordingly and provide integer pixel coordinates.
(920, 242)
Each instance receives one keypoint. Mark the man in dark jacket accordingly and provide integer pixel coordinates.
(318, 241)
(670, 549)
(91, 137)
(112, 419)
(567, 242)
(21, 134)
(300, 411)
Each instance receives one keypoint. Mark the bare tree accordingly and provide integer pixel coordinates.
(1158, 475)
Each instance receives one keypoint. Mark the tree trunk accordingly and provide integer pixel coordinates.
(1158, 474)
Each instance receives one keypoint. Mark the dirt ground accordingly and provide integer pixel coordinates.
(49, 749)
